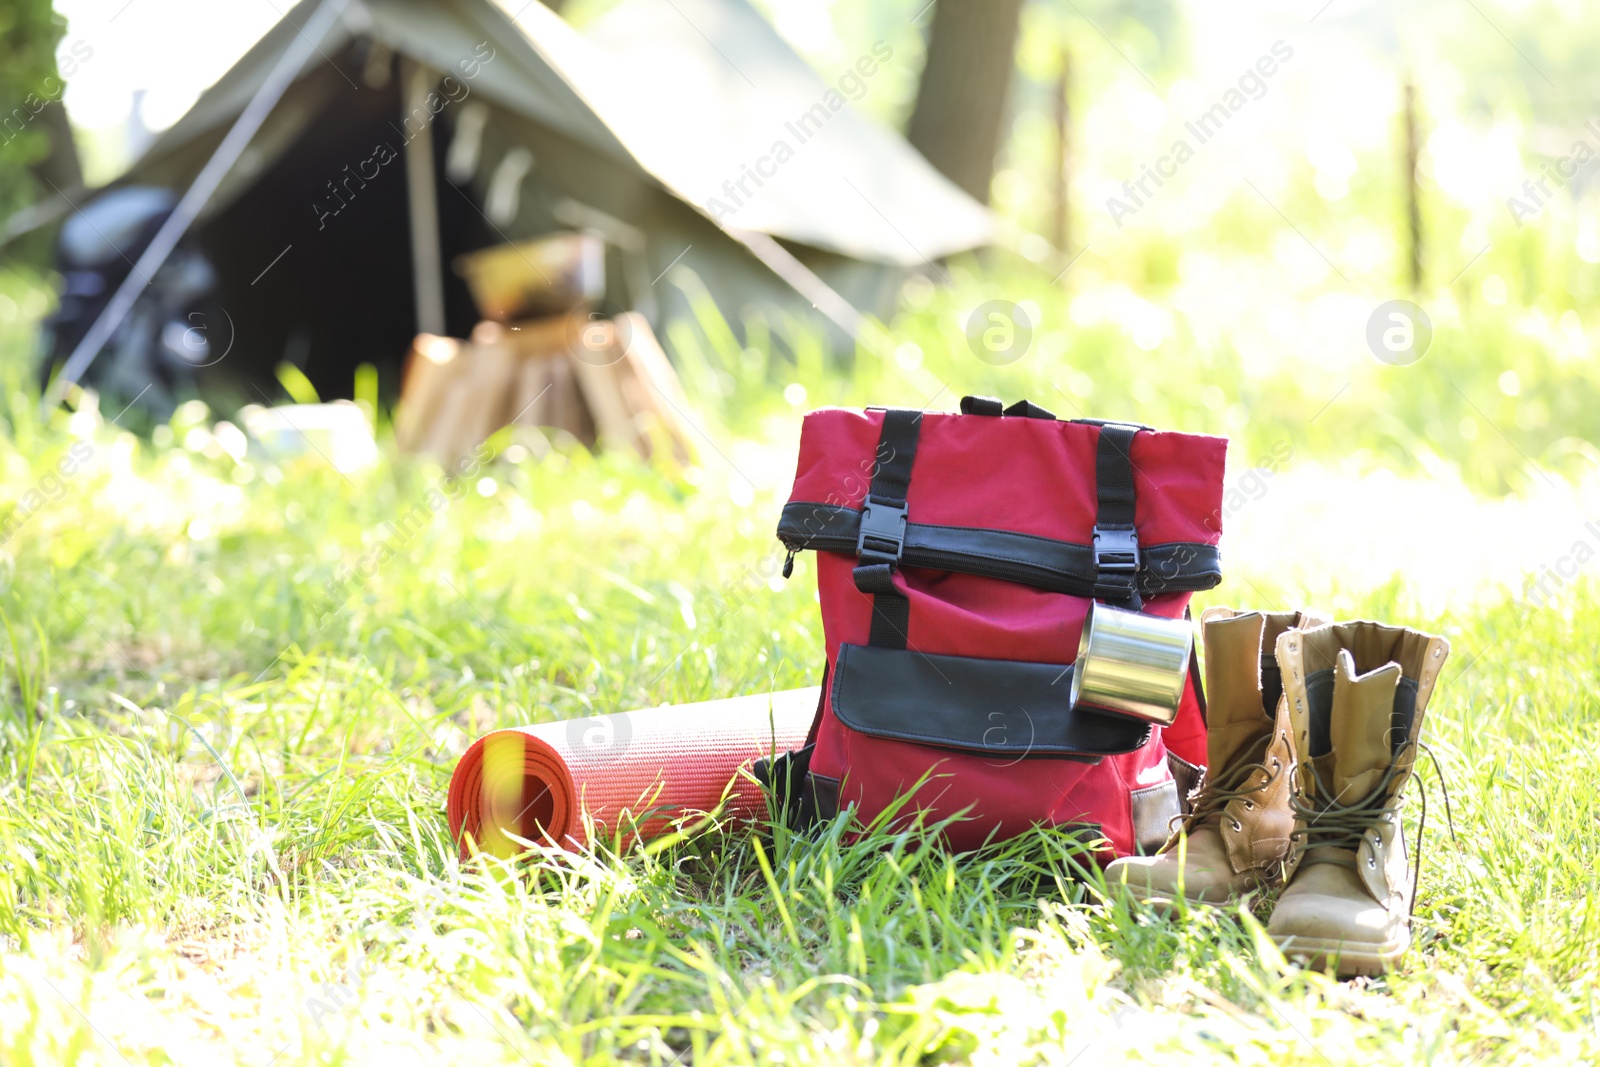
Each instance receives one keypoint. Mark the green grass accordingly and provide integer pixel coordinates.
(1499, 389)
(223, 761)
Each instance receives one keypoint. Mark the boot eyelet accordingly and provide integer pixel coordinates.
(1238, 827)
(1372, 863)
(1249, 805)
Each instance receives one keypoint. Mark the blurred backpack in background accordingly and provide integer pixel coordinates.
(172, 331)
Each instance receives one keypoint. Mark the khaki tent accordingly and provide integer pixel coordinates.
(423, 129)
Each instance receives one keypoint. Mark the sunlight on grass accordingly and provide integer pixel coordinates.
(225, 739)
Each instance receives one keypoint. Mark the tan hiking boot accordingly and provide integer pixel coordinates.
(1236, 834)
(1356, 693)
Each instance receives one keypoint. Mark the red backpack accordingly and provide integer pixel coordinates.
(957, 556)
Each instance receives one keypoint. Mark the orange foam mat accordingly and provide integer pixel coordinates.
(639, 771)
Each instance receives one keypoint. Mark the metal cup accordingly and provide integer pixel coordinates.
(1132, 664)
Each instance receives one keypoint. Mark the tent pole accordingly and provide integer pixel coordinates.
(422, 198)
(307, 40)
(801, 279)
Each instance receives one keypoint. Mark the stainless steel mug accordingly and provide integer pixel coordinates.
(1132, 664)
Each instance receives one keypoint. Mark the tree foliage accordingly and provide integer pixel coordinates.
(29, 82)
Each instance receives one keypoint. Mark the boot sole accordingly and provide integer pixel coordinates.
(1349, 961)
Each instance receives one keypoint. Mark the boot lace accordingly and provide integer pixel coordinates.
(1336, 830)
(1217, 793)
(1422, 821)
(1326, 828)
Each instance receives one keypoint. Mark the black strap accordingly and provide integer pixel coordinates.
(988, 405)
(891, 609)
(787, 775)
(1113, 472)
(1110, 422)
(1116, 539)
(1028, 409)
(883, 526)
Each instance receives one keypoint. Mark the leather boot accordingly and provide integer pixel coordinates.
(1356, 693)
(1236, 834)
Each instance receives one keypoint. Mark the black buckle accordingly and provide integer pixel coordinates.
(1116, 550)
(883, 531)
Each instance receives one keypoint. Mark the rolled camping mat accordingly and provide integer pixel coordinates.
(637, 771)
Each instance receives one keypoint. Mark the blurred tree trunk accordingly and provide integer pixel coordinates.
(1061, 230)
(961, 100)
(1413, 145)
